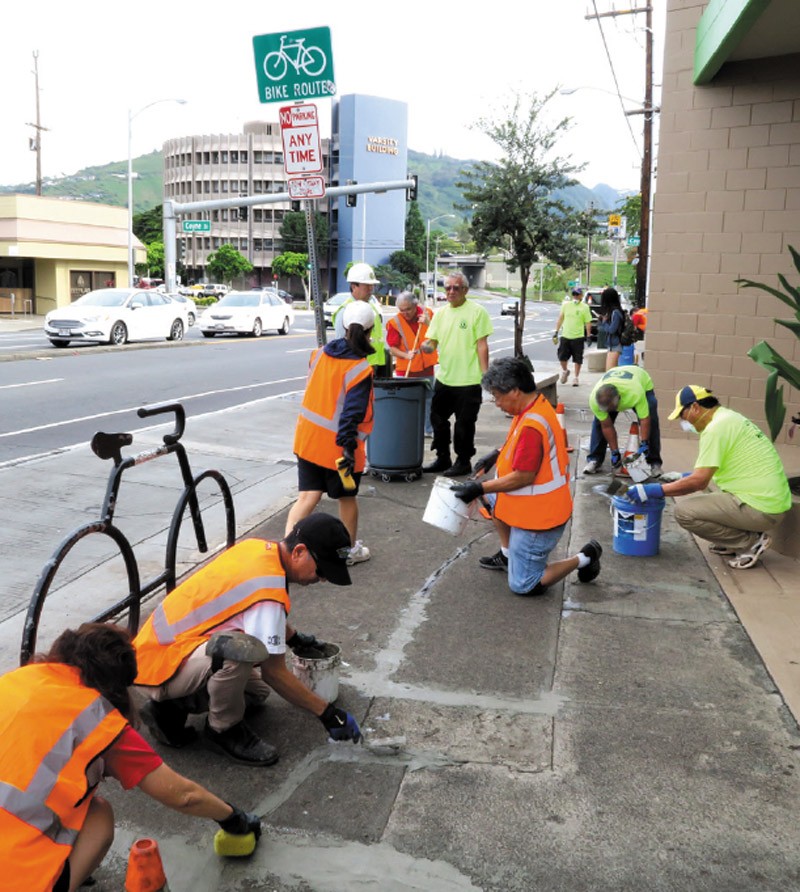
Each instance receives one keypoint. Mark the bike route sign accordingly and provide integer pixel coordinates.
(294, 65)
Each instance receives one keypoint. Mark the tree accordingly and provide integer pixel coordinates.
(408, 264)
(148, 226)
(513, 199)
(415, 233)
(155, 259)
(294, 237)
(226, 263)
(293, 263)
(631, 210)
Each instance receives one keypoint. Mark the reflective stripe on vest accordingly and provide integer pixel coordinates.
(332, 424)
(422, 361)
(559, 479)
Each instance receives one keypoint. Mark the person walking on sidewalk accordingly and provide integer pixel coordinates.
(753, 493)
(217, 642)
(404, 335)
(334, 422)
(67, 724)
(460, 331)
(530, 491)
(621, 388)
(611, 318)
(362, 281)
(575, 324)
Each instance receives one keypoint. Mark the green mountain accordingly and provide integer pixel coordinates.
(438, 174)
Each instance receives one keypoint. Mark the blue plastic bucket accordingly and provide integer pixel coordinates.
(628, 355)
(637, 528)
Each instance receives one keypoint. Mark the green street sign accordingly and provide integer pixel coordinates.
(197, 226)
(633, 241)
(294, 65)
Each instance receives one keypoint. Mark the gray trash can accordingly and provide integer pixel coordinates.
(396, 445)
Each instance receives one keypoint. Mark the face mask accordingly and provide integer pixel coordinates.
(688, 426)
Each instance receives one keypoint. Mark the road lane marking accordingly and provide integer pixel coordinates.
(30, 383)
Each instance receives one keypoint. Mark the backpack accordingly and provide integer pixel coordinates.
(629, 333)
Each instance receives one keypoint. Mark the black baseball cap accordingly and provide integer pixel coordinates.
(327, 539)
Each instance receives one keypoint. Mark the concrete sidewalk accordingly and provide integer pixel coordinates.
(619, 735)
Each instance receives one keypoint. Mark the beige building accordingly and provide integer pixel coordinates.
(727, 198)
(53, 250)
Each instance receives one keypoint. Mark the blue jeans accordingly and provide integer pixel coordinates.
(598, 444)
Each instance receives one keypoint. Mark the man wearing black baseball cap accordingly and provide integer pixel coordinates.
(217, 642)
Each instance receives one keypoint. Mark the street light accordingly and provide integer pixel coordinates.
(428, 251)
(131, 116)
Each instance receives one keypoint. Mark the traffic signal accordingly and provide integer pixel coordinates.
(180, 246)
(243, 212)
(411, 192)
(295, 205)
(351, 200)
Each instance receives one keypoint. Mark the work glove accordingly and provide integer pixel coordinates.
(641, 492)
(340, 724)
(467, 492)
(302, 641)
(486, 462)
(644, 448)
(616, 458)
(241, 823)
(348, 465)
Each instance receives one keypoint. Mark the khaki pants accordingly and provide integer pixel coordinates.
(221, 694)
(723, 519)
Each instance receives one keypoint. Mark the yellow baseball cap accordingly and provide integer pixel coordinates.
(686, 396)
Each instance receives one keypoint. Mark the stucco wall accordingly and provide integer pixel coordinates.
(726, 205)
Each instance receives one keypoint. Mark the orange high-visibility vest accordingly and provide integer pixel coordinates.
(52, 729)
(247, 573)
(409, 337)
(329, 379)
(547, 502)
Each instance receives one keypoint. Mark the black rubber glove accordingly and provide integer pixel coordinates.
(616, 458)
(468, 491)
(241, 823)
(486, 462)
(349, 463)
(304, 641)
(340, 724)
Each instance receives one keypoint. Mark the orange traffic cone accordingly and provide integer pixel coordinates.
(633, 446)
(563, 423)
(145, 870)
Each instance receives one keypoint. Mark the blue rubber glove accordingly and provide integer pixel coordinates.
(340, 724)
(616, 458)
(467, 492)
(644, 448)
(641, 492)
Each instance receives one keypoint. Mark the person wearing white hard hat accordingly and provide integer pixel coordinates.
(334, 421)
(362, 280)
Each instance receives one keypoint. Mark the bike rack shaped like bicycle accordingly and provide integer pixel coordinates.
(109, 446)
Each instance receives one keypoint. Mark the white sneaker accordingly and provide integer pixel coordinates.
(358, 554)
(592, 467)
(575, 382)
(655, 470)
(564, 376)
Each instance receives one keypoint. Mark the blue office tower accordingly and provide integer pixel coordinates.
(370, 144)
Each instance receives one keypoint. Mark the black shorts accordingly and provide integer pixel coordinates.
(62, 883)
(571, 348)
(315, 478)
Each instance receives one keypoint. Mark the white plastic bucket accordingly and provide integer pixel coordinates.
(445, 511)
(321, 675)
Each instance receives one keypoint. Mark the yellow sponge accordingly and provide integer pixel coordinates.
(234, 845)
(348, 482)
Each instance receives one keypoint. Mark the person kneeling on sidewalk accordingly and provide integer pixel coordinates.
(735, 454)
(217, 642)
(530, 486)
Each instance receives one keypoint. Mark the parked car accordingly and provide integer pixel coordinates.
(509, 307)
(191, 306)
(332, 305)
(116, 316)
(283, 295)
(211, 290)
(247, 312)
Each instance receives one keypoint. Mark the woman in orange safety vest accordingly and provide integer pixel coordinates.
(65, 724)
(530, 491)
(333, 424)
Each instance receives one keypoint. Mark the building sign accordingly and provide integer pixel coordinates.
(294, 65)
(300, 133)
(383, 145)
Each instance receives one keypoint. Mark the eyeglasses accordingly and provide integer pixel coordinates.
(453, 287)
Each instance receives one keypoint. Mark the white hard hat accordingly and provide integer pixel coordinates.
(360, 312)
(362, 274)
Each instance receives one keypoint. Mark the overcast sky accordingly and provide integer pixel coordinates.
(451, 62)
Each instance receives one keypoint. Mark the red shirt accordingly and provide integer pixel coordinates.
(529, 452)
(393, 335)
(130, 759)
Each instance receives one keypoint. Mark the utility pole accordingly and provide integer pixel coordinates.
(36, 141)
(647, 147)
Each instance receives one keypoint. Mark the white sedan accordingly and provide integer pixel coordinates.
(247, 312)
(116, 316)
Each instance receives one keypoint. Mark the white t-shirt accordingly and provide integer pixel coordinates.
(265, 621)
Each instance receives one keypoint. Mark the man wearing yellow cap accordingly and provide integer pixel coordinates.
(753, 493)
